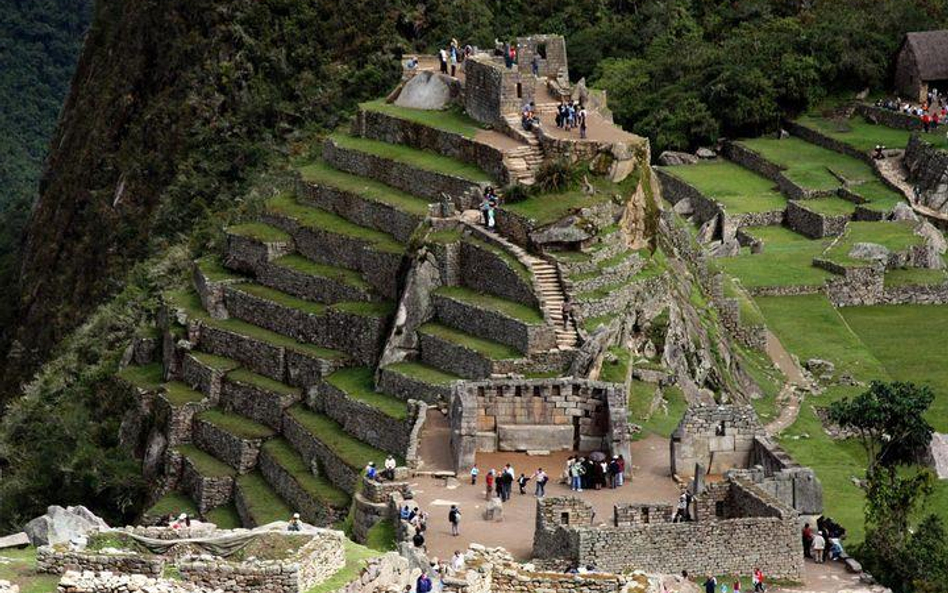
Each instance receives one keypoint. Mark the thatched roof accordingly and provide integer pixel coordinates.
(931, 53)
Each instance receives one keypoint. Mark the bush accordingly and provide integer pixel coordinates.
(558, 176)
(516, 193)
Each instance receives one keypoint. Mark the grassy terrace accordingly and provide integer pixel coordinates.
(895, 235)
(147, 377)
(258, 333)
(321, 173)
(420, 159)
(19, 568)
(452, 120)
(351, 450)
(379, 309)
(265, 383)
(616, 371)
(259, 231)
(356, 558)
(857, 132)
(213, 270)
(300, 264)
(879, 196)
(179, 394)
(225, 517)
(480, 300)
(236, 424)
(315, 218)
(206, 464)
(512, 262)
(359, 384)
(173, 503)
(263, 504)
(544, 209)
(281, 298)
(831, 206)
(809, 165)
(739, 190)
(663, 420)
(914, 277)
(423, 373)
(786, 260)
(218, 363)
(487, 348)
(317, 487)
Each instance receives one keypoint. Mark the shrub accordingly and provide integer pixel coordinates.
(558, 176)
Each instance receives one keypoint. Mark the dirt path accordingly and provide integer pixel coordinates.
(789, 397)
(830, 577)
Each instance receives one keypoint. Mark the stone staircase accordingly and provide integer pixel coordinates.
(524, 162)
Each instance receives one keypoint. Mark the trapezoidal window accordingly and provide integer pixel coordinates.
(519, 91)
(541, 50)
(564, 518)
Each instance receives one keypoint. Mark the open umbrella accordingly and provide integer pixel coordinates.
(597, 456)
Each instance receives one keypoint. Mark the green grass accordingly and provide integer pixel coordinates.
(512, 262)
(423, 373)
(787, 260)
(179, 394)
(880, 196)
(617, 371)
(831, 206)
(306, 266)
(894, 235)
(212, 269)
(749, 314)
(857, 132)
(767, 377)
(262, 503)
(809, 165)
(236, 424)
(421, 159)
(187, 300)
(318, 488)
(480, 300)
(264, 335)
(352, 451)
(365, 308)
(218, 363)
(323, 220)
(356, 558)
(173, 503)
(281, 298)
(909, 340)
(547, 208)
(259, 231)
(661, 422)
(487, 348)
(914, 277)
(21, 571)
(264, 383)
(147, 377)
(448, 120)
(444, 236)
(321, 173)
(205, 463)
(225, 517)
(592, 323)
(739, 190)
(381, 536)
(359, 384)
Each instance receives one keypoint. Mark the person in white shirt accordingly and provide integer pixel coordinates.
(390, 464)
(457, 561)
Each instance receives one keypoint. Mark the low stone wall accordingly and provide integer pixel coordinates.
(387, 128)
(755, 162)
(641, 513)
(239, 453)
(636, 291)
(454, 358)
(427, 184)
(853, 286)
(298, 324)
(52, 561)
(365, 422)
(207, 492)
(813, 224)
(929, 294)
(254, 402)
(314, 451)
(403, 387)
(202, 377)
(177, 420)
(311, 288)
(483, 270)
(927, 168)
(816, 137)
(889, 118)
(492, 325)
(212, 292)
(313, 511)
(752, 336)
(245, 254)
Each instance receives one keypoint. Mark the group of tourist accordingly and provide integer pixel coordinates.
(571, 115)
(932, 113)
(585, 473)
(501, 483)
(452, 56)
(387, 473)
(825, 542)
(440, 569)
(757, 581)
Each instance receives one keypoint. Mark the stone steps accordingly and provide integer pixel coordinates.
(415, 380)
(231, 438)
(462, 354)
(317, 500)
(258, 398)
(257, 502)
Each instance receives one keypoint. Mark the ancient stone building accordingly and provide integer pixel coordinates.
(922, 64)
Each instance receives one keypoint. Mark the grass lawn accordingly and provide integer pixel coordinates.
(857, 132)
(316, 486)
(359, 384)
(381, 536)
(263, 504)
(281, 298)
(179, 394)
(423, 373)
(321, 173)
(512, 262)
(259, 381)
(768, 378)
(214, 271)
(219, 363)
(738, 189)
(831, 206)
(147, 377)
(235, 424)
(205, 463)
(420, 159)
(452, 120)
(914, 277)
(173, 503)
(356, 558)
(663, 420)
(259, 231)
(365, 308)
(809, 165)
(351, 450)
(316, 218)
(19, 567)
(894, 235)
(487, 348)
(306, 266)
(481, 300)
(909, 340)
(225, 517)
(264, 335)
(787, 260)
(616, 371)
(880, 196)
(547, 208)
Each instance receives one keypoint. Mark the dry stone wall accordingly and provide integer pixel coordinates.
(237, 452)
(54, 561)
(755, 162)
(257, 403)
(813, 224)
(889, 118)
(485, 271)
(314, 451)
(207, 492)
(526, 338)
(365, 422)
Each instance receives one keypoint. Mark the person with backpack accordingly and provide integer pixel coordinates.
(454, 518)
(474, 474)
(711, 585)
(423, 584)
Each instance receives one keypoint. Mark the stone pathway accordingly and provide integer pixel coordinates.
(891, 170)
(789, 397)
(830, 577)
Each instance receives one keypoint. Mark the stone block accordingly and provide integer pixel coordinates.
(529, 437)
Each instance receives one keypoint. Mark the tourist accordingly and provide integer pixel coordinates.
(818, 545)
(522, 483)
(737, 586)
(390, 465)
(535, 65)
(711, 585)
(474, 471)
(541, 480)
(807, 540)
(926, 122)
(878, 153)
(489, 480)
(505, 485)
(413, 514)
(405, 513)
(582, 121)
(182, 522)
(576, 472)
(295, 524)
(560, 114)
(423, 584)
(602, 470)
(454, 60)
(454, 518)
(441, 568)
(491, 216)
(621, 475)
(486, 202)
(370, 471)
(758, 580)
(412, 63)
(566, 311)
(457, 561)
(418, 540)
(681, 513)
(443, 59)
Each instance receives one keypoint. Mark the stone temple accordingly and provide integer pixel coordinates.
(369, 314)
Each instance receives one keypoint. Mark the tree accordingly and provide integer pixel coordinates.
(889, 419)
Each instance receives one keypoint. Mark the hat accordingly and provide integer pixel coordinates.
(372, 463)
(182, 516)
(296, 515)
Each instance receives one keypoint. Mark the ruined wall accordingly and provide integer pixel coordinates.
(363, 421)
(699, 439)
(927, 168)
(755, 162)
(813, 224)
(491, 89)
(551, 50)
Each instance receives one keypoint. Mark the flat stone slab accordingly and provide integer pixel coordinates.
(17, 540)
(533, 437)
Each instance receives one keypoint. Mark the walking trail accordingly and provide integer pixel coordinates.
(789, 397)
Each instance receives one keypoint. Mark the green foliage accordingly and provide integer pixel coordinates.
(558, 175)
(889, 419)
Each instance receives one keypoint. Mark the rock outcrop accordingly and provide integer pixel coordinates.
(59, 525)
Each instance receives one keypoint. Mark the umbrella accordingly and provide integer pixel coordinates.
(597, 456)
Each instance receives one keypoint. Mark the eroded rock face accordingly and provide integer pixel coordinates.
(869, 252)
(59, 525)
(670, 158)
(933, 237)
(414, 309)
(903, 211)
(426, 90)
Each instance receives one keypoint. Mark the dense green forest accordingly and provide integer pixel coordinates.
(193, 107)
(39, 45)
